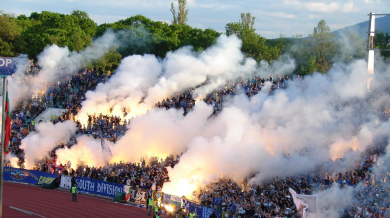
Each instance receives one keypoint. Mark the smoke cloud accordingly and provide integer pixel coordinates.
(37, 145)
(158, 133)
(284, 65)
(147, 77)
(332, 201)
(87, 151)
(290, 132)
(13, 160)
(125, 88)
(315, 120)
(217, 64)
(54, 61)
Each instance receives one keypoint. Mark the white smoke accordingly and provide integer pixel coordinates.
(13, 160)
(37, 145)
(15, 82)
(312, 121)
(158, 133)
(125, 88)
(146, 77)
(87, 151)
(332, 201)
(284, 65)
(246, 137)
(55, 61)
(217, 64)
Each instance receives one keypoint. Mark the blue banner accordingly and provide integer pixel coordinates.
(207, 211)
(28, 176)
(98, 187)
(198, 209)
(8, 65)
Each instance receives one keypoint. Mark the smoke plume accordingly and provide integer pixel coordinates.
(55, 61)
(37, 145)
(292, 131)
(87, 151)
(147, 77)
(315, 120)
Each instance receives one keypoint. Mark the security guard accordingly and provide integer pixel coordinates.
(155, 209)
(192, 214)
(74, 193)
(150, 205)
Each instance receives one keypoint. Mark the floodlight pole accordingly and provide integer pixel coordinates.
(4, 114)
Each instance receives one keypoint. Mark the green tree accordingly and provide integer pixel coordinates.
(281, 43)
(382, 41)
(350, 47)
(109, 62)
(75, 31)
(315, 53)
(173, 10)
(323, 46)
(321, 28)
(9, 34)
(84, 22)
(182, 16)
(310, 65)
(146, 36)
(253, 45)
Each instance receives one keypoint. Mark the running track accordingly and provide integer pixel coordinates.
(57, 204)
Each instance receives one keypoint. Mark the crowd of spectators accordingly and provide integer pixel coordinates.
(268, 199)
(67, 93)
(371, 195)
(250, 87)
(150, 173)
(273, 199)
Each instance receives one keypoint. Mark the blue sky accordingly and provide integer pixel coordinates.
(273, 17)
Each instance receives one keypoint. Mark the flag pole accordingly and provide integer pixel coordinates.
(2, 144)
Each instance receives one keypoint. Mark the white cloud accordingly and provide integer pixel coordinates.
(277, 14)
(322, 7)
(214, 7)
(350, 7)
(292, 2)
(314, 16)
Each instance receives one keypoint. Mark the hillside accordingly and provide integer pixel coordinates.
(382, 24)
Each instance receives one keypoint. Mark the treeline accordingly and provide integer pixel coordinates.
(382, 41)
(141, 35)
